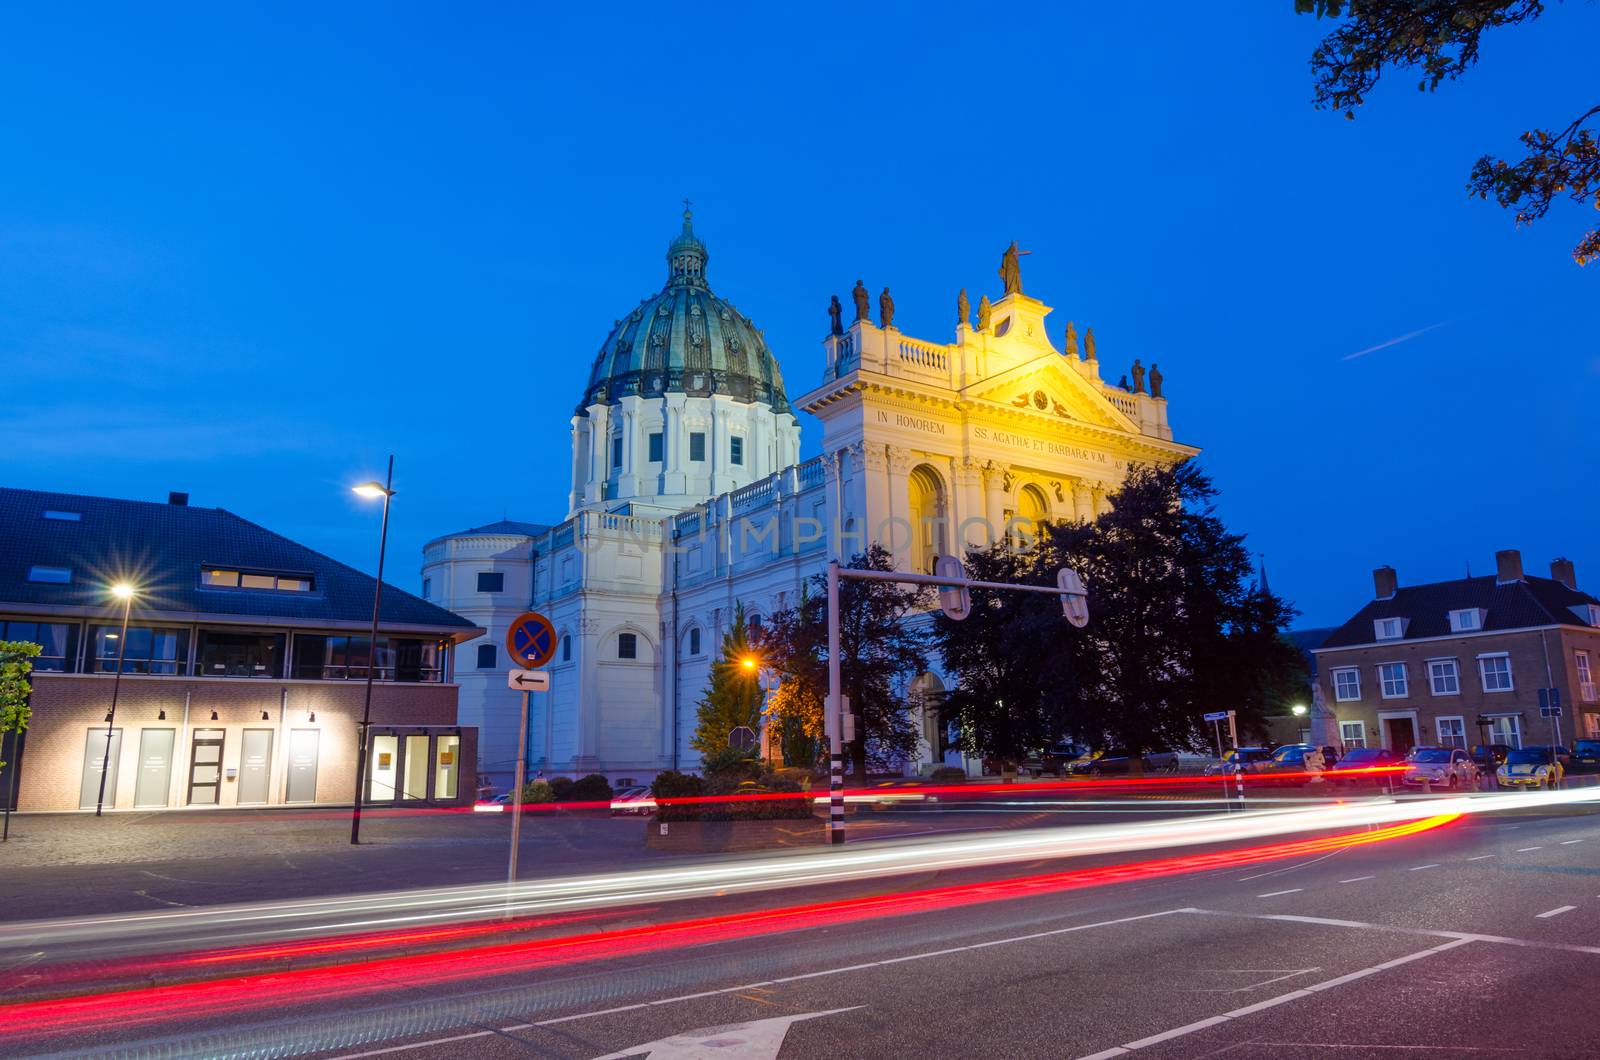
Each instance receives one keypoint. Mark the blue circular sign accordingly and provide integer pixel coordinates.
(531, 640)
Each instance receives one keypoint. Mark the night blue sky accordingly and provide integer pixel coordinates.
(248, 252)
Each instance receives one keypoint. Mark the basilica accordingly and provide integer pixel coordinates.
(690, 497)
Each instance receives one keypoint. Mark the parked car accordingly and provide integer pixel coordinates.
(1585, 757)
(1447, 767)
(1054, 761)
(1351, 770)
(1531, 767)
(1490, 757)
(1117, 761)
(635, 800)
(1251, 759)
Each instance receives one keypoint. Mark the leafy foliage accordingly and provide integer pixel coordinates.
(737, 780)
(592, 788)
(734, 696)
(16, 663)
(1441, 39)
(537, 791)
(883, 646)
(1176, 629)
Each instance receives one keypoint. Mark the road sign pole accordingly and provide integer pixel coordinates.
(833, 722)
(516, 796)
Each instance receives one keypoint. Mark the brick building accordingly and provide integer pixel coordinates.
(243, 668)
(1461, 662)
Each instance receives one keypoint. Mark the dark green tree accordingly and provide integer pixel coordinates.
(1176, 628)
(16, 663)
(734, 695)
(883, 646)
(1440, 39)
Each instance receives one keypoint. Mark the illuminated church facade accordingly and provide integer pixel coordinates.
(690, 498)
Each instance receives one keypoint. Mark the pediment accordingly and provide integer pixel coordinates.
(1051, 387)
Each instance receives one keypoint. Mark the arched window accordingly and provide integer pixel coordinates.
(1032, 511)
(929, 516)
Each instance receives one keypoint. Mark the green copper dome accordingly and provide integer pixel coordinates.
(685, 340)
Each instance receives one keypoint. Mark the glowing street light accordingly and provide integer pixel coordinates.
(1298, 710)
(125, 592)
(372, 491)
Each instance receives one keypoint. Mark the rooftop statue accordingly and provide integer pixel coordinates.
(1155, 381)
(1072, 341)
(1011, 270)
(835, 317)
(885, 310)
(1088, 344)
(983, 313)
(863, 307)
(963, 308)
(1138, 376)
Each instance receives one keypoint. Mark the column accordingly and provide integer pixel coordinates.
(971, 510)
(1082, 501)
(897, 529)
(994, 487)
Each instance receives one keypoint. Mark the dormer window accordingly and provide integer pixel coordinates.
(1588, 614)
(1467, 620)
(254, 580)
(1389, 628)
(63, 517)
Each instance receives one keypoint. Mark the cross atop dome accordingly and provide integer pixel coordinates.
(686, 257)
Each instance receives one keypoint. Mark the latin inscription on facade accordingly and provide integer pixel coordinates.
(914, 423)
(1041, 445)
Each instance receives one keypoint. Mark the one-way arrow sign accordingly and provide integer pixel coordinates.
(529, 680)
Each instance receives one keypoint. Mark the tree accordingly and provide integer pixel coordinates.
(1176, 629)
(16, 663)
(1441, 38)
(734, 696)
(883, 646)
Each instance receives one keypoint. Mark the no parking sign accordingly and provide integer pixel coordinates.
(531, 640)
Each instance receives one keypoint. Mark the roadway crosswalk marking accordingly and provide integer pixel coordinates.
(1557, 911)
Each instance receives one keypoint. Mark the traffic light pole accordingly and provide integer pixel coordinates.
(1069, 587)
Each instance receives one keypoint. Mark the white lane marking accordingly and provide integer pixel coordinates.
(1257, 876)
(757, 1040)
(1557, 911)
(1480, 857)
(1569, 842)
(1524, 850)
(1358, 879)
(1274, 894)
(1465, 936)
(1293, 995)
(514, 1028)
(1416, 868)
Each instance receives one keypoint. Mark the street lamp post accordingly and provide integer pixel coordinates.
(124, 592)
(386, 491)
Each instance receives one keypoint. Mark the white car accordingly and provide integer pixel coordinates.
(1440, 767)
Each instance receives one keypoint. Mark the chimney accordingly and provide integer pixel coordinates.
(1508, 566)
(177, 499)
(1562, 570)
(1384, 582)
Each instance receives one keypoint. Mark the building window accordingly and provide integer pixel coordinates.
(58, 643)
(1591, 724)
(268, 581)
(1585, 679)
(1347, 685)
(240, 654)
(657, 447)
(1444, 678)
(627, 646)
(427, 588)
(148, 651)
(50, 575)
(1506, 730)
(694, 641)
(491, 582)
(63, 517)
(566, 648)
(736, 450)
(1453, 732)
(1466, 621)
(1353, 733)
(697, 446)
(1392, 679)
(1496, 672)
(324, 657)
(616, 452)
(447, 767)
(486, 656)
(1389, 628)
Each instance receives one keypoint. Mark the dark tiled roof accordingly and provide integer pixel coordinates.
(161, 547)
(1515, 605)
(504, 526)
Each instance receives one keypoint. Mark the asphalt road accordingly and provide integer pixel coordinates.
(1479, 938)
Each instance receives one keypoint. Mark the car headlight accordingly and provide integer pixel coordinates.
(1541, 771)
(1503, 772)
(1437, 774)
